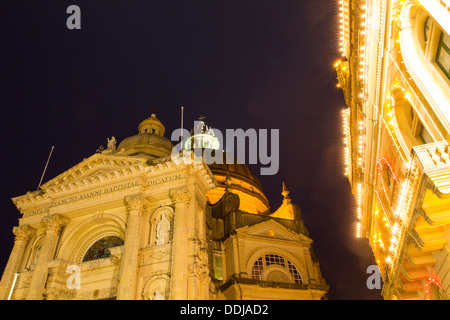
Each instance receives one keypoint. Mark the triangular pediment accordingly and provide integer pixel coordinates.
(99, 167)
(272, 229)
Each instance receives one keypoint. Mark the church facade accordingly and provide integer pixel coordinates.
(129, 223)
(395, 76)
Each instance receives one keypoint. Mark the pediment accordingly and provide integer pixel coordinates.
(272, 229)
(97, 168)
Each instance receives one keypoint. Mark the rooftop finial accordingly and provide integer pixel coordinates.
(228, 180)
(285, 192)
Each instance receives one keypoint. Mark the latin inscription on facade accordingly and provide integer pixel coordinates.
(103, 191)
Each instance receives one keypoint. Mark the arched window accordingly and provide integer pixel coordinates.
(408, 123)
(273, 259)
(424, 45)
(34, 253)
(100, 249)
(293, 270)
(443, 54)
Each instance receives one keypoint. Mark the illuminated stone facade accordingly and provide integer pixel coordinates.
(395, 76)
(129, 223)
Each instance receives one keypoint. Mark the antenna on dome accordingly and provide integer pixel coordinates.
(42, 177)
(182, 128)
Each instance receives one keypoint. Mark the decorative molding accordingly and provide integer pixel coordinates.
(59, 294)
(159, 281)
(424, 215)
(415, 239)
(149, 256)
(91, 171)
(95, 171)
(200, 271)
(55, 222)
(135, 202)
(23, 233)
(180, 195)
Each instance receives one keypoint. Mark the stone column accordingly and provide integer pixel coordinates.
(53, 225)
(181, 198)
(129, 268)
(23, 234)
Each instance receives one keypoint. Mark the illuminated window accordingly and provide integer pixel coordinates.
(443, 54)
(217, 265)
(257, 269)
(293, 270)
(274, 259)
(100, 249)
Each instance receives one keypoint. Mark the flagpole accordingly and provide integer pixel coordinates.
(42, 177)
(182, 128)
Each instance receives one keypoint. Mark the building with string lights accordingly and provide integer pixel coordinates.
(394, 71)
(134, 223)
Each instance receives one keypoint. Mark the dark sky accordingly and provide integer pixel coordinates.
(263, 64)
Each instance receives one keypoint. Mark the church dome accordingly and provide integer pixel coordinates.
(238, 171)
(149, 141)
(241, 181)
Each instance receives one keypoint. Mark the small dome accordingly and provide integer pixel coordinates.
(149, 141)
(152, 125)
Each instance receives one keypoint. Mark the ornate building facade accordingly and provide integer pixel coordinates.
(395, 76)
(129, 223)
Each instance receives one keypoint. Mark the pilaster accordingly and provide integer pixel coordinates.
(135, 205)
(181, 198)
(23, 235)
(53, 225)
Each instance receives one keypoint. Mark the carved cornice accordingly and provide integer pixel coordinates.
(95, 171)
(91, 171)
(415, 239)
(79, 175)
(23, 233)
(180, 195)
(424, 215)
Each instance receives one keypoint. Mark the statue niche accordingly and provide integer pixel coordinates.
(157, 296)
(162, 230)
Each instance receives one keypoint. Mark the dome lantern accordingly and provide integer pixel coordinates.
(152, 125)
(149, 141)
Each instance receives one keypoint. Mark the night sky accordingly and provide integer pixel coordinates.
(262, 64)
